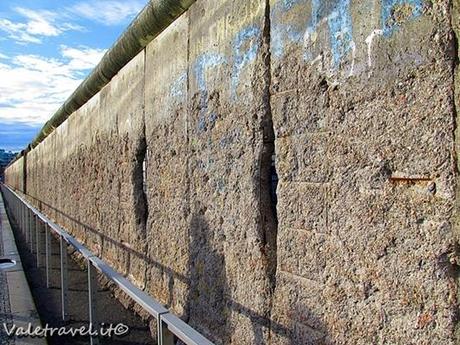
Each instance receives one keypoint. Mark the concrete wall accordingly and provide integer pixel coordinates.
(355, 100)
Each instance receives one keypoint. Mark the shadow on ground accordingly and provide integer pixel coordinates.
(48, 300)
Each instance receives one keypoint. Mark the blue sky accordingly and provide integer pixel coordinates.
(47, 48)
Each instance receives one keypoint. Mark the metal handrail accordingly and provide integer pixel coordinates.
(29, 219)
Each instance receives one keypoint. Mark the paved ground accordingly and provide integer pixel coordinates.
(5, 307)
(17, 305)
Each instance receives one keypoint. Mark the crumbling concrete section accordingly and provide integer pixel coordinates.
(209, 244)
(167, 172)
(363, 112)
(232, 227)
(167, 161)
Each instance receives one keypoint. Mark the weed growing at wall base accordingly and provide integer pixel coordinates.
(103, 330)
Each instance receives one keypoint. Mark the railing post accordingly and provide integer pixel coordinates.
(29, 227)
(165, 336)
(38, 238)
(92, 301)
(24, 221)
(33, 234)
(21, 217)
(64, 280)
(47, 255)
(18, 214)
(27, 224)
(25, 229)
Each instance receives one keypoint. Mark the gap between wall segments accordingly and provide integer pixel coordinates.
(455, 25)
(269, 165)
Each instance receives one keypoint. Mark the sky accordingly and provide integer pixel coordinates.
(47, 48)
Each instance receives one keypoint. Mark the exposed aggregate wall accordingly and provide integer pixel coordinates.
(353, 99)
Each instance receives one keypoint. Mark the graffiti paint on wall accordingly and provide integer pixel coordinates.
(393, 11)
(333, 16)
(337, 15)
(179, 86)
(314, 20)
(302, 23)
(283, 32)
(245, 48)
(204, 63)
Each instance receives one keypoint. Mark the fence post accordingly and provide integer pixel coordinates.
(165, 336)
(29, 228)
(25, 229)
(92, 301)
(64, 279)
(47, 255)
(38, 238)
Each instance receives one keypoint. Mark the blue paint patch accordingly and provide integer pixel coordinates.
(283, 33)
(294, 35)
(388, 7)
(249, 35)
(206, 122)
(212, 119)
(203, 63)
(288, 4)
(341, 30)
(277, 40)
(340, 24)
(316, 13)
(201, 123)
(179, 86)
(220, 186)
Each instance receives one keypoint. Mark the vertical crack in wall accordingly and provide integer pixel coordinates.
(140, 170)
(455, 24)
(188, 158)
(268, 175)
(140, 197)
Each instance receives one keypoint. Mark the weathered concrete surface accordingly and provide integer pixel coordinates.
(358, 100)
(455, 17)
(231, 230)
(167, 166)
(123, 100)
(364, 129)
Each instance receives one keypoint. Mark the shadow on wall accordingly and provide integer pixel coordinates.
(209, 298)
(206, 303)
(306, 328)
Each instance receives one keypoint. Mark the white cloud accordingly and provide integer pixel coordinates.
(83, 58)
(109, 12)
(38, 86)
(38, 23)
(17, 32)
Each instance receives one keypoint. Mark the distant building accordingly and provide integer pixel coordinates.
(5, 158)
